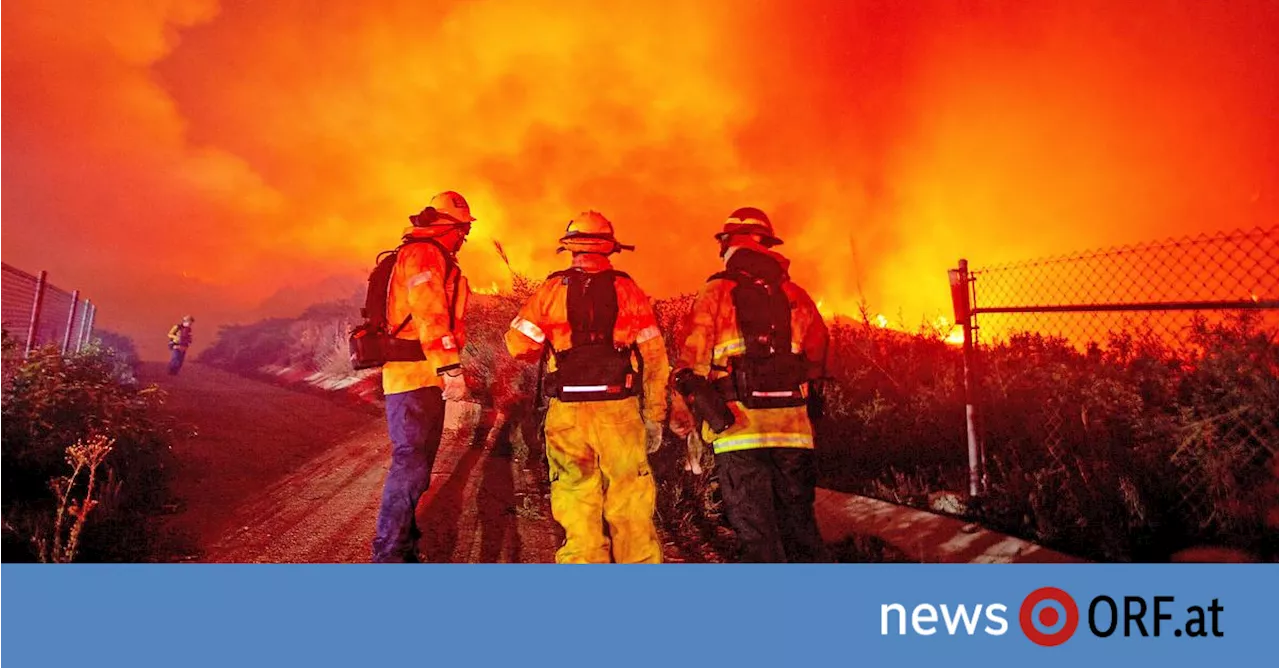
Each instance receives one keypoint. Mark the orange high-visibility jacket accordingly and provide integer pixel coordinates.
(710, 336)
(180, 337)
(423, 285)
(545, 319)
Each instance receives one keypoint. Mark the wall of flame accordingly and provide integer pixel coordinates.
(190, 156)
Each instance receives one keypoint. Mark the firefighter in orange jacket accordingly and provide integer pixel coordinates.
(179, 341)
(425, 300)
(607, 363)
(749, 350)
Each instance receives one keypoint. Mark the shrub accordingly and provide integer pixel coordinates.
(895, 412)
(122, 346)
(52, 403)
(251, 347)
(1131, 448)
(493, 376)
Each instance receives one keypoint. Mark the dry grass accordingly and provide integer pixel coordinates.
(85, 456)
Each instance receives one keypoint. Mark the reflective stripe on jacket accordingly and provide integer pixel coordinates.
(423, 284)
(710, 336)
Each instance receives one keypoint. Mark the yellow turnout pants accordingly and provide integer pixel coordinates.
(600, 473)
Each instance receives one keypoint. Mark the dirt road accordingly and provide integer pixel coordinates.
(268, 474)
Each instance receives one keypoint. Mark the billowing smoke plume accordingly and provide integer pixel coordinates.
(182, 156)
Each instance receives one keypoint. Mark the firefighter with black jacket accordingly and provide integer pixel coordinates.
(751, 351)
(595, 330)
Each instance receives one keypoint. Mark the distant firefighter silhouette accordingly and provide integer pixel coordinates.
(179, 341)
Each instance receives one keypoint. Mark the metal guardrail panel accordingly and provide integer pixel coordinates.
(57, 316)
(17, 293)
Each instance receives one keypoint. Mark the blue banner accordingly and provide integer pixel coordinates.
(658, 616)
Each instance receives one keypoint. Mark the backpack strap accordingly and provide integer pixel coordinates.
(592, 305)
(403, 324)
(593, 367)
(582, 314)
(763, 313)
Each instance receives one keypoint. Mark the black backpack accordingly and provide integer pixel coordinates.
(371, 344)
(768, 374)
(594, 368)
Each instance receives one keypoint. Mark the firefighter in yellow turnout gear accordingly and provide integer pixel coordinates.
(749, 350)
(606, 384)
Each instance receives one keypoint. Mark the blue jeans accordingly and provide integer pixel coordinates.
(175, 360)
(415, 421)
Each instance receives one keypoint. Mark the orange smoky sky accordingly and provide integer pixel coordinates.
(241, 159)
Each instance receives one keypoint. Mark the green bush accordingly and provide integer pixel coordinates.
(52, 402)
(122, 346)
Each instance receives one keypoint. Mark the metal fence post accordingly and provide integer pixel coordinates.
(34, 329)
(93, 315)
(86, 321)
(71, 321)
(961, 303)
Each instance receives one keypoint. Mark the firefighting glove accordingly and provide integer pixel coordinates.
(652, 436)
(455, 386)
(693, 453)
(681, 422)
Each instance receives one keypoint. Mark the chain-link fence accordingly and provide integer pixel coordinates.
(36, 313)
(1132, 384)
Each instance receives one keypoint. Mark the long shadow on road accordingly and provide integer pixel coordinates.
(236, 437)
(487, 503)
(268, 474)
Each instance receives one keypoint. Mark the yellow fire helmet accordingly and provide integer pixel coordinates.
(447, 208)
(591, 232)
(750, 220)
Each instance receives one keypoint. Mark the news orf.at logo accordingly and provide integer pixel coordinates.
(1048, 616)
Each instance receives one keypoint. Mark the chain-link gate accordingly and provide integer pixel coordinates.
(1157, 359)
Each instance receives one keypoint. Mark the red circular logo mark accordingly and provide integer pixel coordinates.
(1048, 617)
